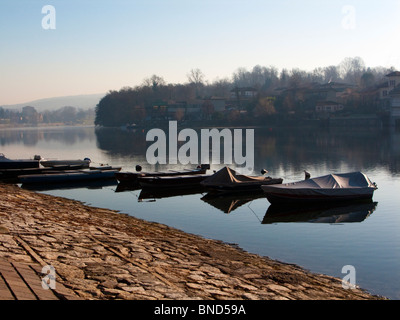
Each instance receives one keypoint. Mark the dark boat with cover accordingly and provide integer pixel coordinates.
(228, 180)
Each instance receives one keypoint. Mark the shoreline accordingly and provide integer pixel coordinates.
(102, 254)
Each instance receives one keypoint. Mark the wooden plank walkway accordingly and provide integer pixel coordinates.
(21, 281)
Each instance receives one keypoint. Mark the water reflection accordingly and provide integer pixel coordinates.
(131, 186)
(32, 136)
(71, 185)
(283, 149)
(340, 213)
(228, 203)
(153, 193)
(285, 153)
(121, 142)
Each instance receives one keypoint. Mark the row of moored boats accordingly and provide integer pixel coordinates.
(47, 171)
(329, 188)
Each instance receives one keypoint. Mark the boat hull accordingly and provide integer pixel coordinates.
(134, 176)
(53, 163)
(242, 187)
(19, 164)
(68, 177)
(172, 181)
(286, 196)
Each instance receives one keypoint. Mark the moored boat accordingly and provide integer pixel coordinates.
(9, 174)
(6, 163)
(68, 176)
(228, 180)
(332, 187)
(79, 184)
(172, 181)
(54, 162)
(127, 176)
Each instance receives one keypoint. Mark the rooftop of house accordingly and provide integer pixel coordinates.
(243, 89)
(393, 74)
(337, 84)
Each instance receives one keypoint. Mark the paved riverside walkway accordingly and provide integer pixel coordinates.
(101, 254)
(23, 281)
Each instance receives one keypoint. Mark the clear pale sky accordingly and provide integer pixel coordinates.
(102, 45)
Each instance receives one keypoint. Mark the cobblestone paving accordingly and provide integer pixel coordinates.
(103, 254)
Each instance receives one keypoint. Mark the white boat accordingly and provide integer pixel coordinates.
(54, 163)
(332, 187)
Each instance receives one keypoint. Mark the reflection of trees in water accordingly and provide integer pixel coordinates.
(290, 149)
(31, 137)
(299, 146)
(121, 142)
(395, 151)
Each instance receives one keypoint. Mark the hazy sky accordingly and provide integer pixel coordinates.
(102, 45)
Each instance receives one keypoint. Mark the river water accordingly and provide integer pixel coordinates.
(324, 240)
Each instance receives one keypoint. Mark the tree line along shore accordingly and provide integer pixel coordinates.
(261, 96)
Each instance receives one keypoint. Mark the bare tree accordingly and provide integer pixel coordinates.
(352, 69)
(196, 76)
(154, 81)
(331, 73)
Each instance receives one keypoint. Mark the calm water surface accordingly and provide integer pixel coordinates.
(365, 236)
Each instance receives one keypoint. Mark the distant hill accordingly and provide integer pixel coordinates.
(84, 102)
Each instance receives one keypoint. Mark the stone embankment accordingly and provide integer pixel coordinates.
(103, 254)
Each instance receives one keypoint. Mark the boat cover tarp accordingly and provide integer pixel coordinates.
(227, 176)
(333, 181)
(354, 183)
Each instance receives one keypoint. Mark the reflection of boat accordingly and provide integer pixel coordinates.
(52, 163)
(320, 213)
(121, 187)
(332, 187)
(87, 184)
(127, 176)
(68, 176)
(228, 180)
(6, 163)
(230, 202)
(172, 181)
(154, 193)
